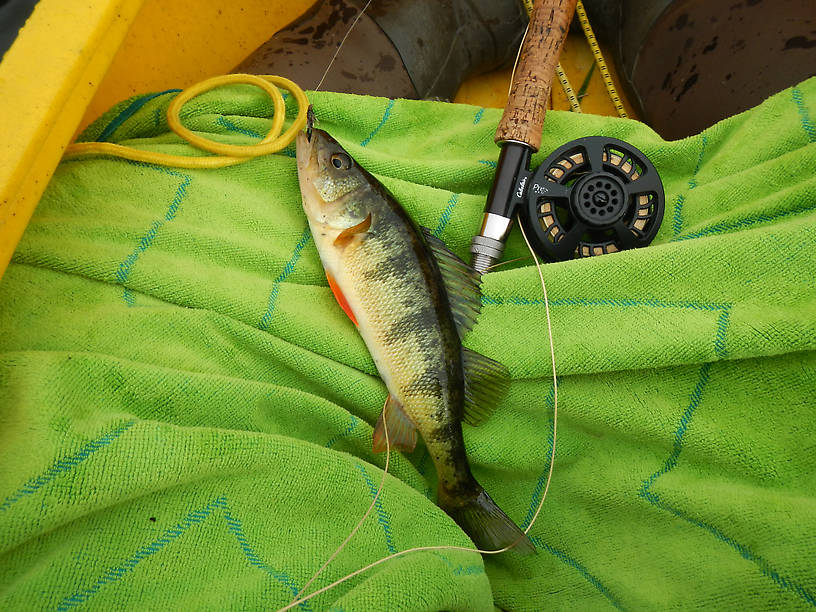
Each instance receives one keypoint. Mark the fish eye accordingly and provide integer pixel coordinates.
(341, 160)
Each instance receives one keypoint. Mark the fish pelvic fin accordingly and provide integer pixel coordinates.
(402, 433)
(485, 523)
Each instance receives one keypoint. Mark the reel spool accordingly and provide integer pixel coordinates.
(592, 196)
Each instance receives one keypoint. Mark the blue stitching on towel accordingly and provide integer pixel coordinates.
(125, 267)
(128, 112)
(382, 515)
(287, 270)
(722, 328)
(459, 570)
(66, 464)
(804, 117)
(696, 396)
(288, 151)
(351, 427)
(382, 123)
(478, 116)
(195, 517)
(113, 574)
(725, 226)
(685, 419)
(671, 462)
(470, 570)
(539, 543)
(677, 221)
(237, 530)
(722, 320)
(488, 162)
(446, 215)
(549, 402)
(232, 127)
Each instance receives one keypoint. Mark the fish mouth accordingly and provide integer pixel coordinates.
(308, 169)
(305, 151)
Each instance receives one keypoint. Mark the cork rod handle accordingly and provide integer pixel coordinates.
(523, 115)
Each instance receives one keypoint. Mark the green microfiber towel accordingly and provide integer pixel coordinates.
(186, 414)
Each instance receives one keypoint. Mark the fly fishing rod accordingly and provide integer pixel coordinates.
(591, 196)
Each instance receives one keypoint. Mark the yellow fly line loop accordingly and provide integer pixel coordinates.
(224, 154)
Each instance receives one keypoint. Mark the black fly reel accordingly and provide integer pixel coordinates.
(592, 196)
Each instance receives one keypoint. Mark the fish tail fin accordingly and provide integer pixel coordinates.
(485, 523)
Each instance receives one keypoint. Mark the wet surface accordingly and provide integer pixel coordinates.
(368, 63)
(725, 59)
(424, 48)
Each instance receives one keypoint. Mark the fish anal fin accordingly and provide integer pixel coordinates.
(486, 383)
(341, 299)
(402, 433)
(461, 284)
(344, 237)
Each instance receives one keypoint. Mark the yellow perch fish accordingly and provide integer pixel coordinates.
(412, 300)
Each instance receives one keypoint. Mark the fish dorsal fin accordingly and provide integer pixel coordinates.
(486, 383)
(461, 283)
(402, 433)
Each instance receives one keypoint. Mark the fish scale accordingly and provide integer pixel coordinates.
(385, 274)
(414, 347)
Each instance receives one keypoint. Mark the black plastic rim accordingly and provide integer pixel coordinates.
(592, 196)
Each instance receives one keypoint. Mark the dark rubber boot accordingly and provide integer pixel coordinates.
(690, 63)
(398, 49)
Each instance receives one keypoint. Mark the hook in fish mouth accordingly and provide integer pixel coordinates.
(310, 121)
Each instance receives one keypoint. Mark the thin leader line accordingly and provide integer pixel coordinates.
(298, 601)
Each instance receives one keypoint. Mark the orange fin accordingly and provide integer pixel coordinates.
(402, 433)
(347, 234)
(341, 299)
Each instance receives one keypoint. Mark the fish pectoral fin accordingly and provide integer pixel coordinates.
(344, 237)
(341, 299)
(486, 383)
(462, 284)
(402, 433)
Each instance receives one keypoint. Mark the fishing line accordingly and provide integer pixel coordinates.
(223, 154)
(298, 600)
(518, 55)
(365, 516)
(342, 42)
(228, 155)
(301, 596)
(505, 263)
